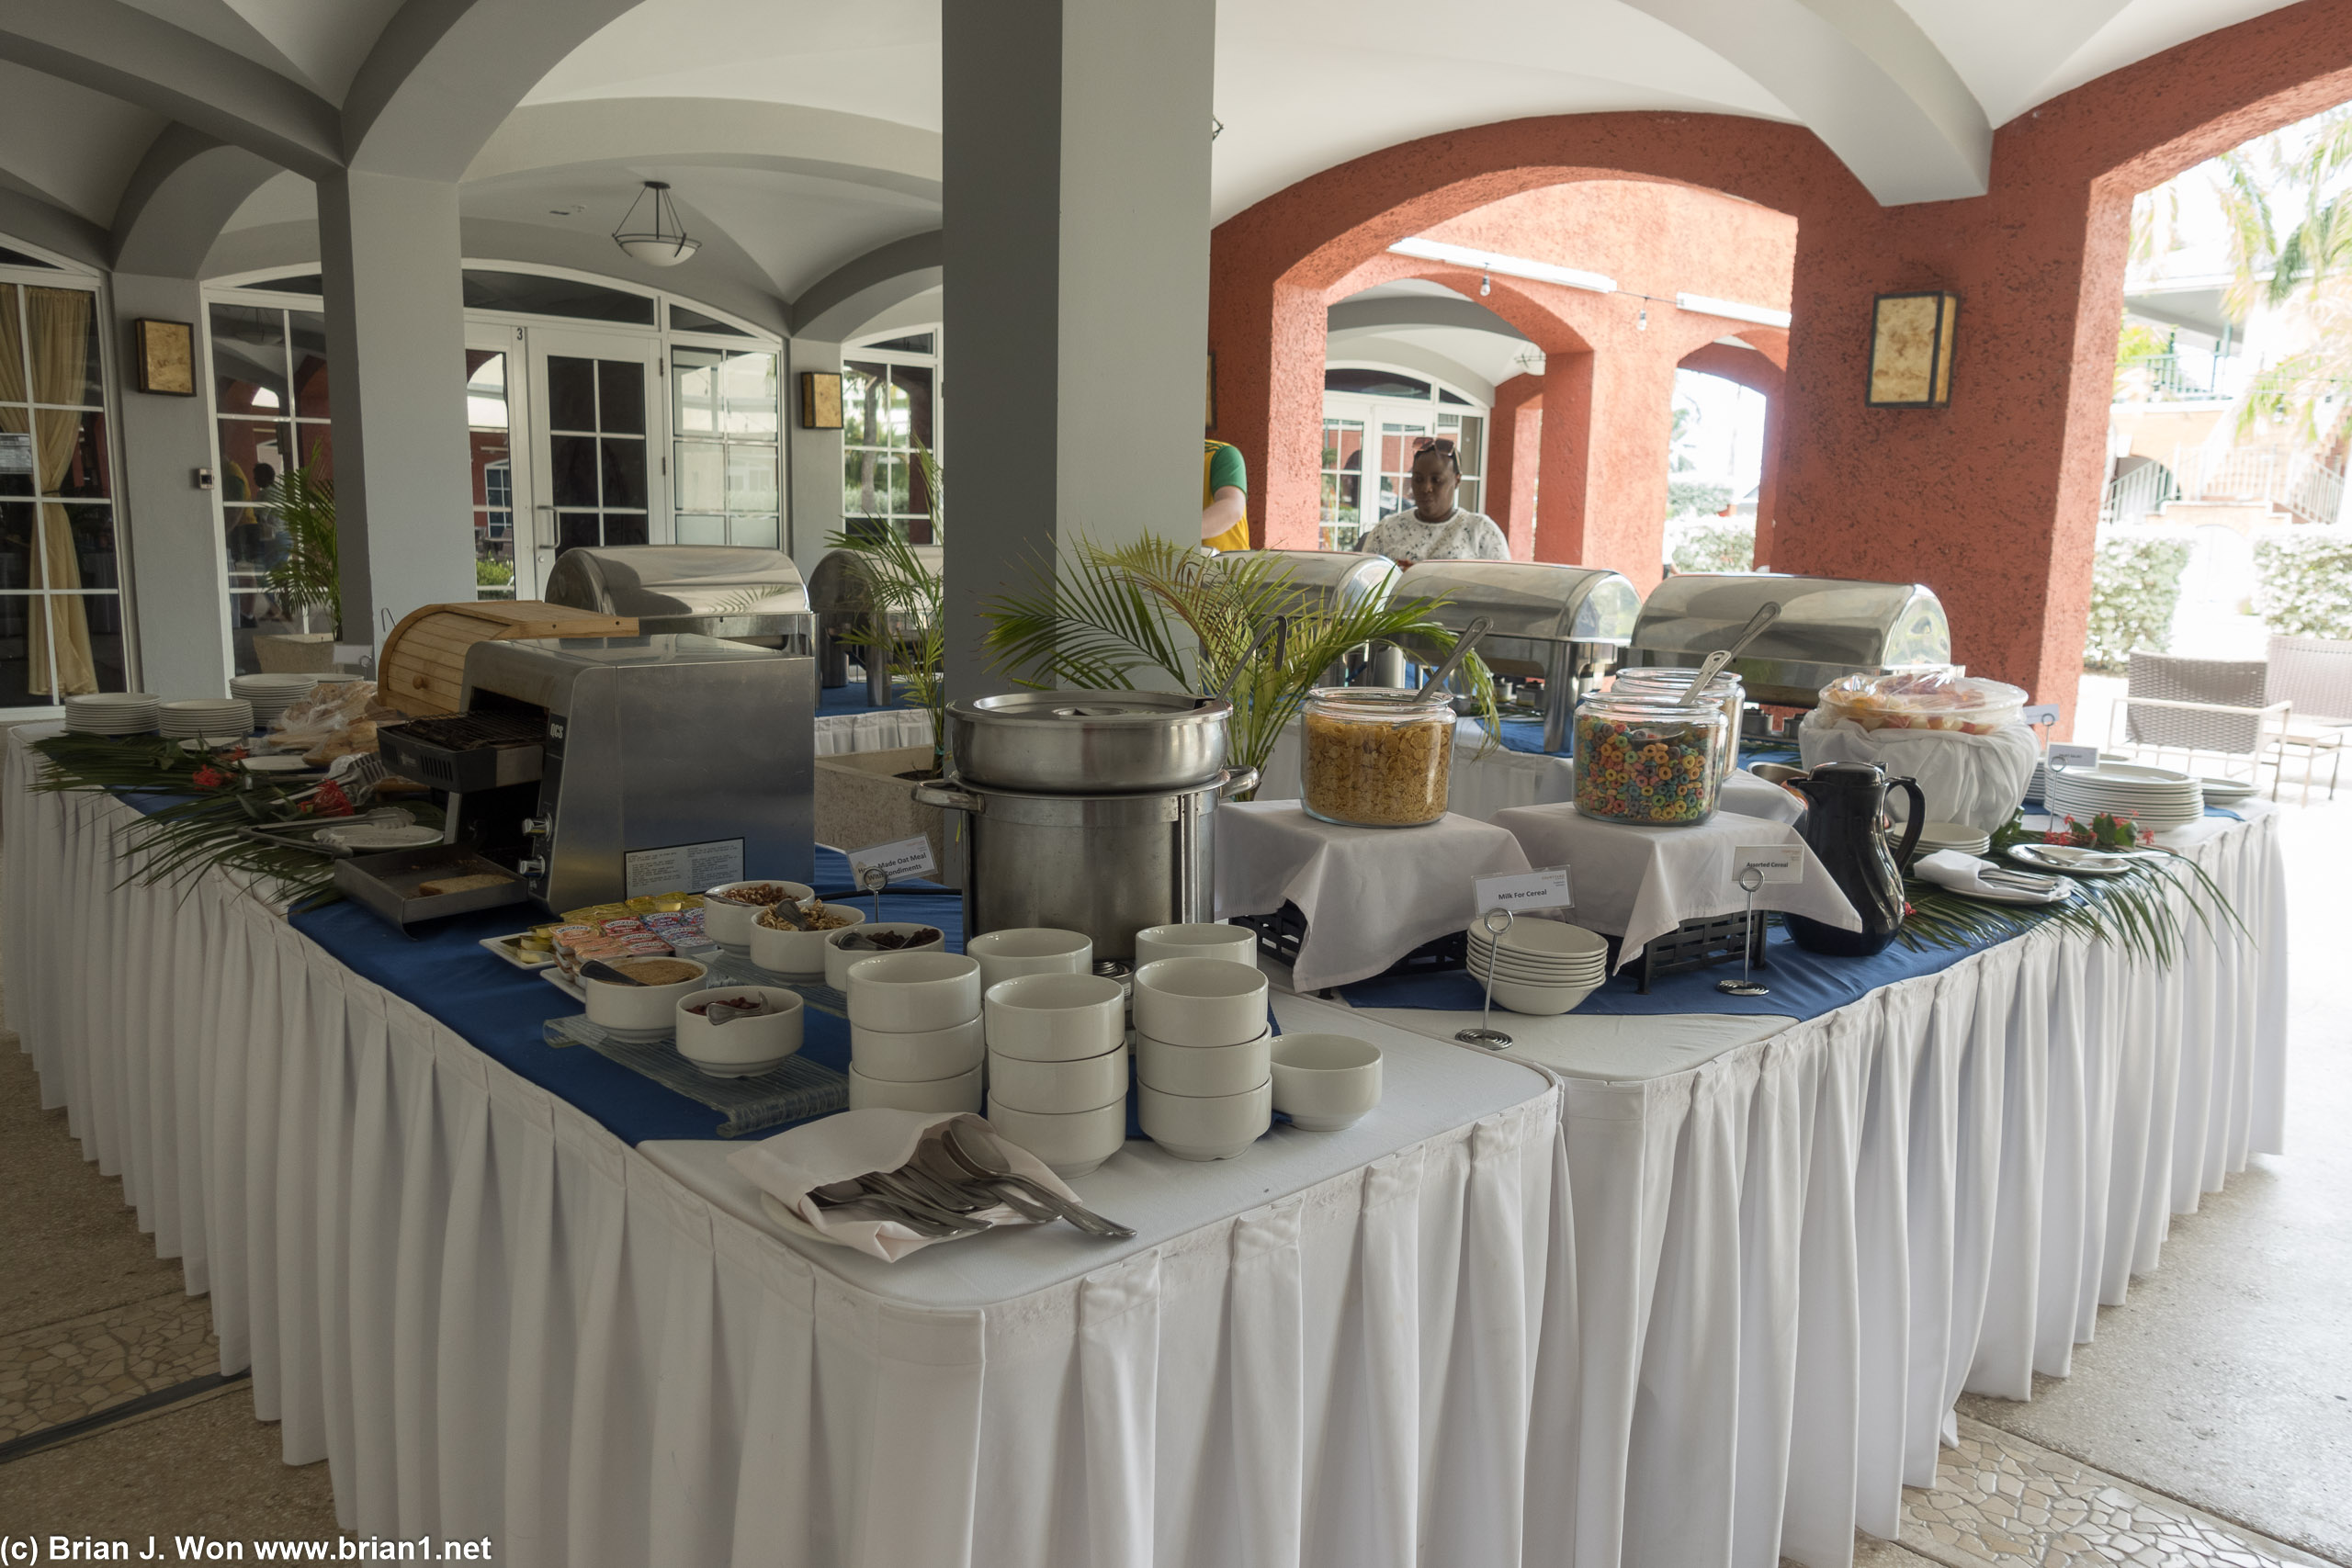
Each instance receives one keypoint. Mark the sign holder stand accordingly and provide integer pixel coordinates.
(1750, 878)
(1486, 1035)
(873, 879)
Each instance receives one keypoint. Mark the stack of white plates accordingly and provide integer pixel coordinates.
(2155, 798)
(111, 713)
(1540, 966)
(1938, 836)
(208, 719)
(2223, 792)
(271, 695)
(2042, 770)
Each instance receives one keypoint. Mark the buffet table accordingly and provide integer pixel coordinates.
(1705, 1292)
(504, 1290)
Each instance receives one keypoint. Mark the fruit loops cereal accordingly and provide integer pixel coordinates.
(1636, 766)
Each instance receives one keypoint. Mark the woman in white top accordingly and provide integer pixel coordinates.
(1436, 529)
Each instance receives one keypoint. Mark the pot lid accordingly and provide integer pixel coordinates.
(1138, 708)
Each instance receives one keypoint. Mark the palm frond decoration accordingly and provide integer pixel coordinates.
(212, 802)
(2140, 913)
(1158, 612)
(310, 577)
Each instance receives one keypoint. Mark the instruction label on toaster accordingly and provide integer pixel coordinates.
(682, 868)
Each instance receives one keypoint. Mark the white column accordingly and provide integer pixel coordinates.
(177, 591)
(396, 348)
(1077, 280)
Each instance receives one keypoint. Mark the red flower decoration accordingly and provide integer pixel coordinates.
(332, 801)
(211, 778)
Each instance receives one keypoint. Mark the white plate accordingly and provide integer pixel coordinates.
(499, 945)
(380, 838)
(2222, 791)
(2069, 858)
(279, 765)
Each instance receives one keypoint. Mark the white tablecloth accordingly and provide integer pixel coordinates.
(491, 1317)
(1639, 882)
(1797, 1243)
(1370, 894)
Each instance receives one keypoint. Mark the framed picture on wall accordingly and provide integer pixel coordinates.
(166, 357)
(821, 400)
(1911, 347)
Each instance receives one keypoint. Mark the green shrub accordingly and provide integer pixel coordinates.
(1712, 544)
(2135, 588)
(490, 573)
(1695, 498)
(2303, 582)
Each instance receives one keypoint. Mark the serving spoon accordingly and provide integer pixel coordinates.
(971, 1142)
(1453, 661)
(1712, 665)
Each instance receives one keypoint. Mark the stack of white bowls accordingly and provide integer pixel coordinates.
(206, 719)
(915, 1041)
(1058, 1066)
(1202, 1055)
(1540, 966)
(271, 695)
(1236, 944)
(1936, 837)
(1030, 950)
(2154, 798)
(844, 951)
(112, 713)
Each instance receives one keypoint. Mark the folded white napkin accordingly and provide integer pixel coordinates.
(1963, 873)
(853, 1143)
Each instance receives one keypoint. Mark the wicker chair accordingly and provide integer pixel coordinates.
(2196, 706)
(2316, 675)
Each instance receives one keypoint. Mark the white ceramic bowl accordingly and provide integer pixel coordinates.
(1200, 1001)
(919, 1055)
(1056, 1018)
(1201, 1069)
(1325, 1082)
(1070, 1145)
(907, 992)
(744, 1045)
(1198, 939)
(1058, 1087)
(838, 960)
(938, 1096)
(1541, 1001)
(1030, 950)
(1551, 939)
(638, 1012)
(729, 924)
(794, 953)
(1204, 1128)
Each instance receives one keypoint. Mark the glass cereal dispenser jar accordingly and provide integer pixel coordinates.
(1649, 762)
(1377, 757)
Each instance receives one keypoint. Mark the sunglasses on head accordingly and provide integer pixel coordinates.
(1440, 445)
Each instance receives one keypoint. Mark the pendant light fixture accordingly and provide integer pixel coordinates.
(667, 242)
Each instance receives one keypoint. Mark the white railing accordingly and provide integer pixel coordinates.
(2296, 482)
(2134, 496)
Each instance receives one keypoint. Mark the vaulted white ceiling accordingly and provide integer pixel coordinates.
(802, 134)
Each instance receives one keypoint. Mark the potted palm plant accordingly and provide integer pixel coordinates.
(306, 577)
(1166, 613)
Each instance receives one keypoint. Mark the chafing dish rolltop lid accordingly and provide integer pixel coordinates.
(723, 591)
(1534, 607)
(1324, 580)
(839, 585)
(1828, 628)
(841, 594)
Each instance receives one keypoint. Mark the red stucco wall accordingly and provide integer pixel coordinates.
(1992, 501)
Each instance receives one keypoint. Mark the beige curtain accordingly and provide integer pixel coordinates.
(60, 323)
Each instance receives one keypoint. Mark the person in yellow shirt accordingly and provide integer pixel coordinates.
(1225, 497)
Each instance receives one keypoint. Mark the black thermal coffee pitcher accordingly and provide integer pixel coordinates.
(1845, 803)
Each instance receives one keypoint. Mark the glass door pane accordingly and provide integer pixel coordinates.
(1397, 437)
(591, 416)
(1343, 520)
(489, 424)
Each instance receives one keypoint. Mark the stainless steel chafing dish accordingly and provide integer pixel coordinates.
(1324, 581)
(1568, 624)
(738, 591)
(843, 597)
(1828, 628)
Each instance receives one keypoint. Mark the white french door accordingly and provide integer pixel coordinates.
(598, 444)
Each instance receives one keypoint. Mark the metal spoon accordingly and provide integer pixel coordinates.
(904, 1193)
(788, 910)
(971, 1142)
(1712, 665)
(1462, 647)
(597, 969)
(1278, 633)
(940, 1166)
(852, 1200)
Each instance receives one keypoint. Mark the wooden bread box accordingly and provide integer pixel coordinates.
(422, 667)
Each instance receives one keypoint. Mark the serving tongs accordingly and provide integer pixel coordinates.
(304, 835)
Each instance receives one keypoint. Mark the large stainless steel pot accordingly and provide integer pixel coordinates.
(1088, 742)
(1108, 865)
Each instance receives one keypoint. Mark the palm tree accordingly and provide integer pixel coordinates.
(2286, 201)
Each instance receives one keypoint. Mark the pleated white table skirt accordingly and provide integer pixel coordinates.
(1792, 1253)
(491, 1317)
